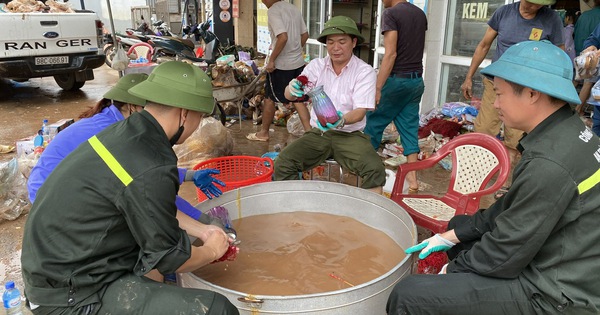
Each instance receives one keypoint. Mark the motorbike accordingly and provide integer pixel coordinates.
(212, 45)
(161, 28)
(110, 48)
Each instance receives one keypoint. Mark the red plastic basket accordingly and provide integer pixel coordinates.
(237, 171)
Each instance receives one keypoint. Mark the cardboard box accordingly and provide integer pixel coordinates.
(56, 127)
(24, 146)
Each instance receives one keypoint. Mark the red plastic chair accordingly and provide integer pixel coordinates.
(476, 158)
(141, 49)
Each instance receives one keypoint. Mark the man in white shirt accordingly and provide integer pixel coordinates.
(350, 84)
(288, 36)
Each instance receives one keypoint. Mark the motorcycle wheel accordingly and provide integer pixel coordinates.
(109, 51)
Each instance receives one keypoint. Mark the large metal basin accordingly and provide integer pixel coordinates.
(317, 196)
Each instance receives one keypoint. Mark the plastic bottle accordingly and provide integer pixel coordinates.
(12, 299)
(45, 130)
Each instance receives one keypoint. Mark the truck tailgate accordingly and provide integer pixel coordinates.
(44, 34)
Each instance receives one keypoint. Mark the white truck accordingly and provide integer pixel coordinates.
(66, 46)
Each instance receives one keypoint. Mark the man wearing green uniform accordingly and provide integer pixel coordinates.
(106, 215)
(535, 250)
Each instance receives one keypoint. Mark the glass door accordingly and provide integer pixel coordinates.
(466, 23)
(316, 13)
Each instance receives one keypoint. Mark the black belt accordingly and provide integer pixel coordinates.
(407, 75)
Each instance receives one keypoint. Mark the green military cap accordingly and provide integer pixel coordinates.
(177, 84)
(119, 91)
(340, 25)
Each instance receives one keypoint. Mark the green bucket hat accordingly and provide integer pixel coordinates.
(542, 2)
(340, 25)
(538, 65)
(119, 91)
(178, 84)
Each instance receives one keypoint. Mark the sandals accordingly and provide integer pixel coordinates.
(501, 192)
(413, 191)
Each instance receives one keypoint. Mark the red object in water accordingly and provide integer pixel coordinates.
(230, 254)
(432, 264)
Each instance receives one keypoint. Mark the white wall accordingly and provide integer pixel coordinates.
(121, 10)
(433, 51)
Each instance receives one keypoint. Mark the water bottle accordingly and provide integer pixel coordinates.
(12, 299)
(45, 130)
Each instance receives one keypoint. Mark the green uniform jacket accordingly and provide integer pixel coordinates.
(91, 224)
(545, 230)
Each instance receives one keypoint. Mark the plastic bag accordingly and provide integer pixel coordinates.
(294, 125)
(120, 60)
(457, 109)
(586, 65)
(13, 191)
(209, 141)
(594, 98)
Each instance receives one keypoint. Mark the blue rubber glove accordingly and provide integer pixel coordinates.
(336, 125)
(206, 183)
(435, 243)
(296, 88)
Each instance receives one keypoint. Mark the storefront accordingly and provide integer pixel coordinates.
(455, 28)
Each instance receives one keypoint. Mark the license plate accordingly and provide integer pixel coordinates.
(56, 60)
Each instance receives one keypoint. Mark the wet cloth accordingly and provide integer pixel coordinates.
(120, 220)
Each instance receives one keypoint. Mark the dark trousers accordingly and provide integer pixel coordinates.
(131, 294)
(462, 293)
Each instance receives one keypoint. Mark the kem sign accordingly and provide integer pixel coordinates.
(475, 10)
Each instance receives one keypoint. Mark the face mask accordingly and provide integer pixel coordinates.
(178, 134)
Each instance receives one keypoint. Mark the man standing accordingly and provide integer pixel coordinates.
(350, 84)
(534, 251)
(105, 216)
(288, 36)
(510, 24)
(399, 81)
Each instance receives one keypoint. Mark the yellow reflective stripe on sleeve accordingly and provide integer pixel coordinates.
(589, 182)
(110, 160)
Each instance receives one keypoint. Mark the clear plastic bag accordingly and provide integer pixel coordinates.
(294, 125)
(209, 141)
(13, 191)
(120, 60)
(586, 65)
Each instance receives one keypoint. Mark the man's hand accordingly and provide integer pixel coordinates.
(218, 242)
(296, 89)
(205, 182)
(467, 88)
(336, 125)
(435, 243)
(270, 67)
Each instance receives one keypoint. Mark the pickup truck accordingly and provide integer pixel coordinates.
(66, 46)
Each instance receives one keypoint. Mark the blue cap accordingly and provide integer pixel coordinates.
(9, 285)
(540, 66)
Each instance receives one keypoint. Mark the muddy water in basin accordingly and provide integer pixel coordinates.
(298, 253)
